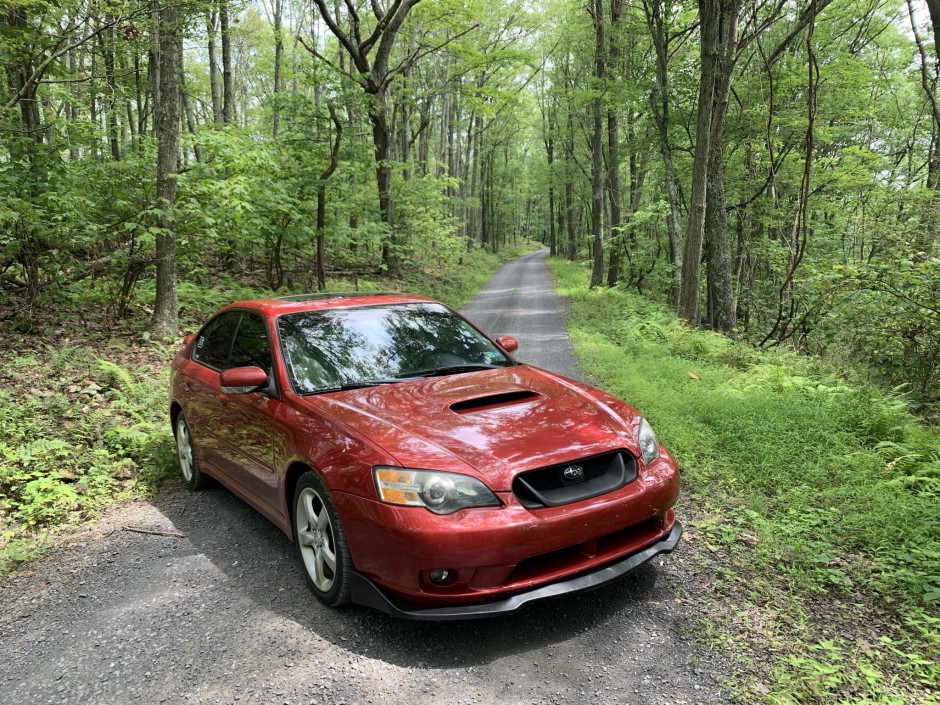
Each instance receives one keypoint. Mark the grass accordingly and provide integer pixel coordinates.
(83, 399)
(814, 495)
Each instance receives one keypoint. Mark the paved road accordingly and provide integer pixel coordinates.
(222, 615)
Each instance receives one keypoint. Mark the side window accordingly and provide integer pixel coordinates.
(214, 345)
(251, 346)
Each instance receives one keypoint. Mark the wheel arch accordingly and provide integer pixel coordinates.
(294, 472)
(175, 411)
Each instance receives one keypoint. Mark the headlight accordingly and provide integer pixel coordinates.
(649, 446)
(439, 492)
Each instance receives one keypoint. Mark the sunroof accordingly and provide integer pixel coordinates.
(335, 295)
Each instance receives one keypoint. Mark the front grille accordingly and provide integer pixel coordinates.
(553, 486)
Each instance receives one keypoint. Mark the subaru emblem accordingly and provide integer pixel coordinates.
(574, 473)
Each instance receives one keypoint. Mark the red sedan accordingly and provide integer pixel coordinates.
(416, 465)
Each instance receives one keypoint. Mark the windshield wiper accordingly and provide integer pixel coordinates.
(455, 369)
(357, 385)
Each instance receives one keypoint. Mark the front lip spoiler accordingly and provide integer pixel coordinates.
(367, 593)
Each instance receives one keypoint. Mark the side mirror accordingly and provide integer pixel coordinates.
(243, 380)
(508, 343)
(189, 338)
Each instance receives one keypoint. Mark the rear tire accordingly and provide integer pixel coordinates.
(320, 541)
(189, 461)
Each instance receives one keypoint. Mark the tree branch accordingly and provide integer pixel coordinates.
(808, 13)
(41, 69)
(343, 38)
(419, 54)
(390, 28)
(317, 55)
(354, 17)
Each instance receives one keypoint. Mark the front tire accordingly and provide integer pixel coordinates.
(321, 541)
(189, 462)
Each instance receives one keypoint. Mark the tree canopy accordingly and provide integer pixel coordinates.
(771, 168)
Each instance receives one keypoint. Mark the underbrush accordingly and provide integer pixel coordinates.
(83, 397)
(813, 493)
(77, 431)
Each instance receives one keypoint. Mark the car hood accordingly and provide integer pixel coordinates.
(493, 424)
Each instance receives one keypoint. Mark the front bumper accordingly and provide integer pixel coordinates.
(367, 593)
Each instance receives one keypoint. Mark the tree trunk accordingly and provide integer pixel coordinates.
(721, 307)
(552, 235)
(474, 178)
(718, 254)
(187, 107)
(18, 73)
(141, 98)
(228, 85)
(613, 152)
(381, 137)
(164, 322)
(928, 234)
(71, 111)
(212, 22)
(660, 102)
(572, 241)
(106, 44)
(597, 147)
(321, 199)
(278, 54)
(689, 295)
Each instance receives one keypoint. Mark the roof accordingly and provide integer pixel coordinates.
(292, 303)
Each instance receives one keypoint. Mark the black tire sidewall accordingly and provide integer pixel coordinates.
(338, 594)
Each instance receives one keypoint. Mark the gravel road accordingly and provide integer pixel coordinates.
(222, 615)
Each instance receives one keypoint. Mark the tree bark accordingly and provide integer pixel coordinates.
(278, 54)
(228, 84)
(660, 103)
(552, 235)
(321, 199)
(19, 71)
(106, 40)
(689, 295)
(164, 323)
(613, 152)
(597, 147)
(569, 194)
(212, 19)
(929, 84)
(718, 254)
(187, 107)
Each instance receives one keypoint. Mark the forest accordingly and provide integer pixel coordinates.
(766, 170)
(771, 168)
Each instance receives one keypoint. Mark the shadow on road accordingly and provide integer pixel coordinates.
(258, 561)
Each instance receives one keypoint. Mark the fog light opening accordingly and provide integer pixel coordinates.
(439, 576)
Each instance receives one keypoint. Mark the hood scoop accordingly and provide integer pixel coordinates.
(494, 401)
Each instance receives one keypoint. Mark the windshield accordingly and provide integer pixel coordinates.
(350, 347)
